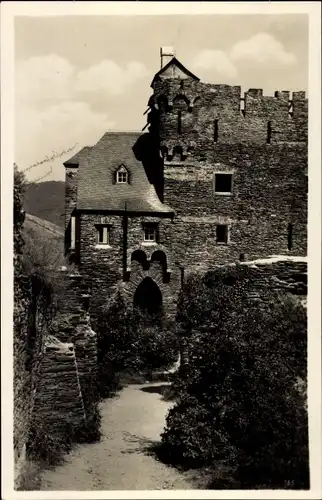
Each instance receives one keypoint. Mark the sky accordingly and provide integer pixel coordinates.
(78, 77)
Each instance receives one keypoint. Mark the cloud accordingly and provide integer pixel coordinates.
(53, 105)
(262, 48)
(57, 127)
(109, 76)
(44, 78)
(215, 59)
(53, 77)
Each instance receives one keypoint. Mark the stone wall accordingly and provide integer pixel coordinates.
(85, 341)
(71, 304)
(282, 274)
(32, 313)
(238, 121)
(31, 323)
(58, 404)
(22, 376)
(203, 130)
(279, 273)
(72, 326)
(269, 193)
(108, 268)
(51, 392)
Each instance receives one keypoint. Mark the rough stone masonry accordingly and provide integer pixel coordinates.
(218, 178)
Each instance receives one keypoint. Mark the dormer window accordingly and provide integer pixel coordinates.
(122, 175)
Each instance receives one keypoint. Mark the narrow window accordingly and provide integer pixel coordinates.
(216, 131)
(290, 236)
(103, 235)
(72, 233)
(179, 122)
(269, 132)
(242, 106)
(290, 108)
(182, 275)
(223, 183)
(149, 233)
(222, 233)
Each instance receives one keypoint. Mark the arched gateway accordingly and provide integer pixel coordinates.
(148, 297)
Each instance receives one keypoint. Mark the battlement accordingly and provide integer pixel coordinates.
(188, 107)
(170, 90)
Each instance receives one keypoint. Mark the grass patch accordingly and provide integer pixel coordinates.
(29, 477)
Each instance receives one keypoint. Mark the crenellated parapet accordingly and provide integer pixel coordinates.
(189, 111)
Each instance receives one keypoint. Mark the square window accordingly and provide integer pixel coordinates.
(149, 233)
(122, 177)
(222, 234)
(223, 183)
(103, 235)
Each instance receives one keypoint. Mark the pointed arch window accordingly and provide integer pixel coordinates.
(122, 175)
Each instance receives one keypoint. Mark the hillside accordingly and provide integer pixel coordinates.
(44, 227)
(46, 200)
(44, 243)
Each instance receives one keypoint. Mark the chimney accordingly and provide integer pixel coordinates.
(166, 53)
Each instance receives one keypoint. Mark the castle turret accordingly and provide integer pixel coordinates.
(233, 166)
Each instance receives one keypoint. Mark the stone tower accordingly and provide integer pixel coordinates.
(235, 168)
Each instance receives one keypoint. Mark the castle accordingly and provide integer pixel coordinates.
(217, 178)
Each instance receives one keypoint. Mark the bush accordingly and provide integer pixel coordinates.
(44, 446)
(238, 397)
(130, 342)
(18, 213)
(191, 439)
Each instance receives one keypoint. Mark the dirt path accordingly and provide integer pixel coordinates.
(120, 461)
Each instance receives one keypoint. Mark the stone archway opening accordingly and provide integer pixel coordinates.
(140, 257)
(148, 297)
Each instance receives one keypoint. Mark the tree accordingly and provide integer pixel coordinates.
(18, 215)
(130, 341)
(238, 397)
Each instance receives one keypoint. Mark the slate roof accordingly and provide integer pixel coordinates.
(97, 189)
(175, 61)
(74, 160)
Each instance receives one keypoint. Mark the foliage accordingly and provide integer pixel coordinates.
(130, 341)
(238, 396)
(18, 214)
(37, 254)
(46, 447)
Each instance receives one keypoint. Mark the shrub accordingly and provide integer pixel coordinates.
(18, 213)
(191, 439)
(130, 341)
(237, 397)
(44, 446)
(157, 343)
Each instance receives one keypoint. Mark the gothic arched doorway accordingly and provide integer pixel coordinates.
(148, 297)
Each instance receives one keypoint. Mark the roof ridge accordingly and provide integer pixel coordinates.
(176, 61)
(123, 132)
